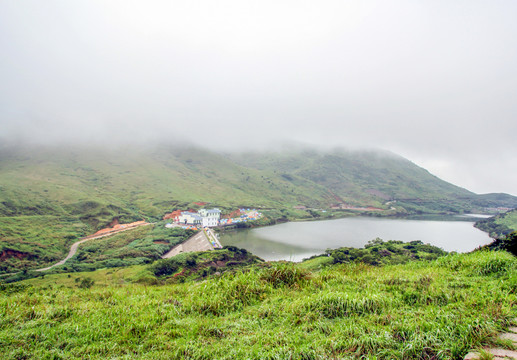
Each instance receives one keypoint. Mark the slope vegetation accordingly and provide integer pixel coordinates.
(500, 225)
(50, 196)
(374, 178)
(419, 310)
(97, 185)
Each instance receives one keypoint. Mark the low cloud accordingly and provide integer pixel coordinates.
(434, 82)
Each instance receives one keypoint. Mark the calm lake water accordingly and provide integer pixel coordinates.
(298, 240)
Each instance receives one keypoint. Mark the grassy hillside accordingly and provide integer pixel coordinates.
(36, 241)
(500, 225)
(419, 310)
(52, 242)
(50, 196)
(99, 184)
(374, 178)
(494, 200)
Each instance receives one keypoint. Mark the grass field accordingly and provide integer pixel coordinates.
(419, 310)
(136, 246)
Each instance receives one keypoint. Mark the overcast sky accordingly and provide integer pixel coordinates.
(434, 81)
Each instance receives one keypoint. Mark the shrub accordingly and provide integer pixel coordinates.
(285, 274)
(86, 283)
(191, 261)
(165, 267)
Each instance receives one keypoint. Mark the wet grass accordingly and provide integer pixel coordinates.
(419, 310)
(37, 240)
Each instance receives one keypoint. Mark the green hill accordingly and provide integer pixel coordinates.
(97, 185)
(500, 225)
(374, 178)
(50, 196)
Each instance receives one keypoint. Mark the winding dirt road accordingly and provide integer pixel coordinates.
(73, 248)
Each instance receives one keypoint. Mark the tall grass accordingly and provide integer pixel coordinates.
(481, 262)
(436, 310)
(286, 274)
(227, 293)
(335, 305)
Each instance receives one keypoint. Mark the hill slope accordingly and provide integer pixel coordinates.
(374, 178)
(50, 196)
(500, 225)
(136, 184)
(97, 185)
(419, 310)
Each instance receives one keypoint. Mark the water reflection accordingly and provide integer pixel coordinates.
(298, 240)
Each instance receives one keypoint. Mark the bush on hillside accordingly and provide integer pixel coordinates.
(285, 274)
(509, 243)
(379, 252)
(170, 266)
(86, 283)
(236, 250)
(165, 267)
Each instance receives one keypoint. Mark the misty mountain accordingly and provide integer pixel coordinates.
(97, 185)
(364, 177)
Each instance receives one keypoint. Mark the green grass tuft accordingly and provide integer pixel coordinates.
(286, 274)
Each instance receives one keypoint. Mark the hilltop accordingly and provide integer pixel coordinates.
(97, 184)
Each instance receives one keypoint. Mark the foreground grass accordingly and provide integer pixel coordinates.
(419, 310)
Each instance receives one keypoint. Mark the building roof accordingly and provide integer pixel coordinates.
(195, 216)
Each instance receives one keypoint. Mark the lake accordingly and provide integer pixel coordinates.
(295, 241)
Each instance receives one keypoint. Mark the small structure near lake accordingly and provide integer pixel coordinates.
(205, 217)
(210, 217)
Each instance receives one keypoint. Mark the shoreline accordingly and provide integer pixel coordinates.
(431, 217)
(295, 242)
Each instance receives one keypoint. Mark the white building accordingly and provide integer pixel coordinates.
(189, 218)
(210, 217)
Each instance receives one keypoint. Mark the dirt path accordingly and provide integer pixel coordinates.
(73, 248)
